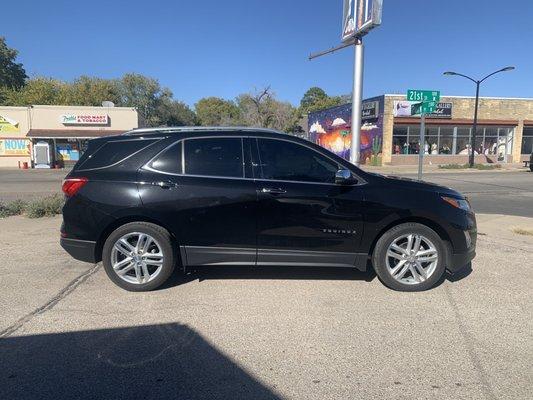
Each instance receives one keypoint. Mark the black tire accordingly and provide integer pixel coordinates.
(162, 237)
(382, 245)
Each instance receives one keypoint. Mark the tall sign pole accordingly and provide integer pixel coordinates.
(423, 102)
(357, 100)
(422, 145)
(359, 17)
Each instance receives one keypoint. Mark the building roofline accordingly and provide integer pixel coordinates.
(468, 97)
(80, 107)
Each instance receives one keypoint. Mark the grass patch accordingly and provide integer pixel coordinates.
(466, 166)
(522, 231)
(44, 207)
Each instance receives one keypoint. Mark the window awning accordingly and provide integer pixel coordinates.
(71, 133)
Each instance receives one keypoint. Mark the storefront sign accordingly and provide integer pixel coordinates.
(83, 119)
(14, 147)
(370, 110)
(7, 125)
(402, 108)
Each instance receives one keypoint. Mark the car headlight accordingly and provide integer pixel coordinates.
(463, 204)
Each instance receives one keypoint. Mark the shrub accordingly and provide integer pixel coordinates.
(465, 166)
(16, 207)
(45, 207)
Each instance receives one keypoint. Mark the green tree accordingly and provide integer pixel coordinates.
(38, 91)
(214, 111)
(317, 99)
(91, 91)
(175, 113)
(143, 93)
(12, 74)
(312, 96)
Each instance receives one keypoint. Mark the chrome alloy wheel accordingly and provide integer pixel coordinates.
(412, 259)
(137, 258)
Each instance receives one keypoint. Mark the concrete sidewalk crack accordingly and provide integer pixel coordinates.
(50, 303)
(469, 343)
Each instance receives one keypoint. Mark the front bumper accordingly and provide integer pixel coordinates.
(83, 250)
(458, 261)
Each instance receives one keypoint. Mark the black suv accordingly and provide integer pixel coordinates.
(149, 200)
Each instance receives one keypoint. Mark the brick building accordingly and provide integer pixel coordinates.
(504, 133)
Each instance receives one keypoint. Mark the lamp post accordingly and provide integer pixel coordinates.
(474, 126)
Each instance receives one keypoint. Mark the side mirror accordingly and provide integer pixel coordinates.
(344, 177)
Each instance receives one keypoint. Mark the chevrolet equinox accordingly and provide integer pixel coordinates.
(150, 200)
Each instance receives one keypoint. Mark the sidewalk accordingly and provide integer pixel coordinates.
(413, 169)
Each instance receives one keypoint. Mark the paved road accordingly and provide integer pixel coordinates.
(499, 192)
(273, 333)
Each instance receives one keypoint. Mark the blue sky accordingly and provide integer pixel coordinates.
(220, 48)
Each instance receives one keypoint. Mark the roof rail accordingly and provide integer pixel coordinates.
(181, 129)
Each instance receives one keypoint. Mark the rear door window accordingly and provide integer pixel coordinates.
(113, 152)
(214, 157)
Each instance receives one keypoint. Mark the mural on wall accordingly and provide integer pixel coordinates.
(330, 128)
(8, 125)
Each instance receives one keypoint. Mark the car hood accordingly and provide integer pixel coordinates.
(413, 184)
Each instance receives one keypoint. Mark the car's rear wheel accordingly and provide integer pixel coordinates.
(409, 257)
(138, 256)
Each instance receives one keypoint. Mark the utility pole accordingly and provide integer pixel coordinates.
(357, 100)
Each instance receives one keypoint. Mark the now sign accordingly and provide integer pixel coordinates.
(14, 147)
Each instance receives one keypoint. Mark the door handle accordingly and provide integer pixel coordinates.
(273, 190)
(165, 184)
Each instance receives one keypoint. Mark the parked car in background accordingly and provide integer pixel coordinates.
(151, 200)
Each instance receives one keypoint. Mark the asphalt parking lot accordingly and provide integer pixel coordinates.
(67, 332)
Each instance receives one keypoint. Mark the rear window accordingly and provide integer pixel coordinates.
(169, 160)
(113, 152)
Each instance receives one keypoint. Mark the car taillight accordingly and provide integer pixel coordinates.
(72, 185)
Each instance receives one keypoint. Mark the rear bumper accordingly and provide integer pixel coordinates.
(457, 261)
(83, 250)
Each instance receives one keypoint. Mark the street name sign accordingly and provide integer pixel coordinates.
(423, 108)
(423, 95)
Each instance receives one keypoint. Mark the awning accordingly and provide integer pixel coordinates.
(71, 133)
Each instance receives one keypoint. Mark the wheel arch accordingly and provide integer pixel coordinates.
(125, 220)
(420, 220)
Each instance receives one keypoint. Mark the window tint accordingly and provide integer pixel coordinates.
(113, 152)
(214, 157)
(169, 160)
(286, 161)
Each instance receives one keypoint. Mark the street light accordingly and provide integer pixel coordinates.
(474, 127)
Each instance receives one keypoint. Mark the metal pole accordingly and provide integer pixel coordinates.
(474, 128)
(422, 145)
(357, 99)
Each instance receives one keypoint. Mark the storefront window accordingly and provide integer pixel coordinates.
(490, 141)
(454, 140)
(527, 141)
(445, 140)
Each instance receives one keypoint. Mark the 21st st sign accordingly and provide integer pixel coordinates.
(423, 95)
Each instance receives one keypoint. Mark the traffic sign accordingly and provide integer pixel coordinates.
(423, 108)
(423, 95)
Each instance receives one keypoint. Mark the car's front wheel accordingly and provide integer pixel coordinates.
(138, 256)
(409, 257)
